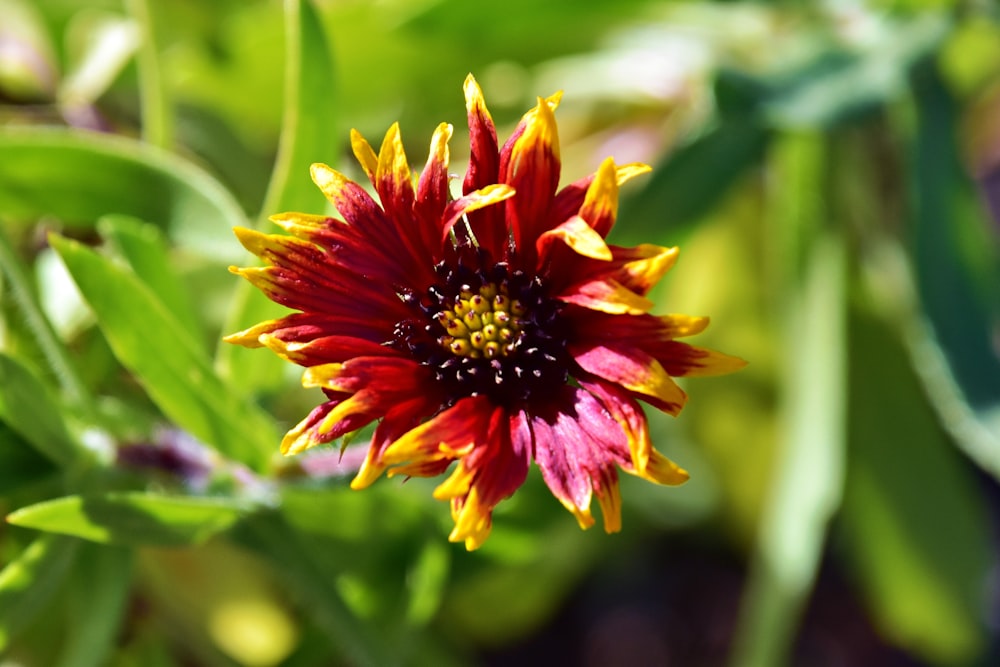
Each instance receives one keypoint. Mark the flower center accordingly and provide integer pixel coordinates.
(489, 331)
(486, 323)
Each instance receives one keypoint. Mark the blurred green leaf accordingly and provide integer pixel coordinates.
(20, 463)
(133, 518)
(101, 44)
(27, 406)
(144, 248)
(39, 328)
(839, 86)
(807, 486)
(98, 593)
(79, 177)
(916, 528)
(957, 268)
(149, 342)
(693, 179)
(28, 582)
(307, 571)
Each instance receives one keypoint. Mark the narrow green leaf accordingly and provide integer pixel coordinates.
(27, 406)
(144, 247)
(178, 377)
(309, 134)
(79, 177)
(28, 582)
(55, 352)
(916, 528)
(957, 270)
(678, 192)
(133, 518)
(97, 601)
(807, 488)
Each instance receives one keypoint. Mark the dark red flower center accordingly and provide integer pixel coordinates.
(487, 331)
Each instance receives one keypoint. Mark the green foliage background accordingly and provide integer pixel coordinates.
(828, 170)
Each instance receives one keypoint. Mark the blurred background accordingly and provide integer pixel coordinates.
(831, 172)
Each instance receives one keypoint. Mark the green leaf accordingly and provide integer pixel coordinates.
(309, 134)
(678, 192)
(27, 406)
(806, 491)
(34, 318)
(28, 582)
(79, 177)
(144, 247)
(133, 518)
(957, 262)
(178, 377)
(98, 595)
(916, 528)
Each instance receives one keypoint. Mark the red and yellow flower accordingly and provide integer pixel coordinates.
(493, 329)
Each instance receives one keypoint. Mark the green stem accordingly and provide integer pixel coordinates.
(157, 120)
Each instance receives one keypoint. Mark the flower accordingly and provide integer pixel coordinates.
(491, 329)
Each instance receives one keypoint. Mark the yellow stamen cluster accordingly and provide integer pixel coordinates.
(486, 323)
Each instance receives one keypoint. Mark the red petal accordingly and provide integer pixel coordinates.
(488, 225)
(577, 447)
(529, 162)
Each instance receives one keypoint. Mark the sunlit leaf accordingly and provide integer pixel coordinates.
(79, 177)
(133, 518)
(178, 377)
(28, 582)
(144, 247)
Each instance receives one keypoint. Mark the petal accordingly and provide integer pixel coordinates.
(448, 435)
(306, 326)
(322, 350)
(397, 421)
(600, 205)
(646, 462)
(576, 234)
(487, 475)
(365, 154)
(487, 225)
(432, 188)
(607, 296)
(318, 429)
(529, 162)
(392, 176)
(474, 201)
(633, 369)
(681, 359)
(569, 200)
(578, 447)
(374, 385)
(383, 244)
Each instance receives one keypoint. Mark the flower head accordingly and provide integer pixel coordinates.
(491, 329)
